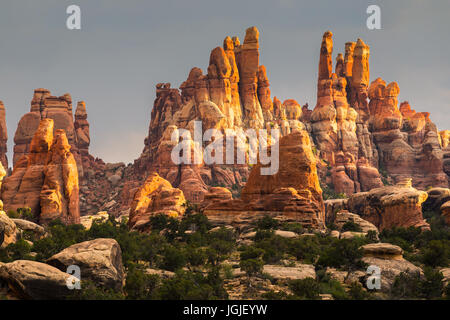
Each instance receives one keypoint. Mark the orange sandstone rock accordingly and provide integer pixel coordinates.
(46, 179)
(292, 193)
(390, 206)
(155, 196)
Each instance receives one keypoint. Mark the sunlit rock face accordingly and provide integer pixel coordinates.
(45, 179)
(360, 137)
(59, 109)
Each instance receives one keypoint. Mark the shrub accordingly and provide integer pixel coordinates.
(307, 288)
(272, 295)
(195, 257)
(328, 192)
(173, 258)
(267, 223)
(333, 287)
(192, 286)
(89, 291)
(251, 267)
(405, 286)
(357, 292)
(435, 254)
(305, 249)
(351, 226)
(432, 286)
(345, 253)
(139, 285)
(16, 251)
(251, 262)
(412, 286)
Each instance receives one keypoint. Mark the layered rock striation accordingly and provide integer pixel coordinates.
(59, 109)
(293, 193)
(45, 179)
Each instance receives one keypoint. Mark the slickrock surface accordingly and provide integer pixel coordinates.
(301, 271)
(343, 216)
(45, 179)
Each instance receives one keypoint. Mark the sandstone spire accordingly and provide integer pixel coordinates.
(348, 58)
(45, 179)
(248, 70)
(3, 136)
(82, 129)
(326, 52)
(360, 67)
(44, 105)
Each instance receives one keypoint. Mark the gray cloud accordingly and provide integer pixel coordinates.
(126, 47)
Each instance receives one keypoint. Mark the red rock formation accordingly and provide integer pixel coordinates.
(346, 130)
(392, 206)
(293, 193)
(82, 129)
(45, 179)
(230, 96)
(326, 60)
(340, 132)
(3, 136)
(235, 105)
(155, 196)
(359, 82)
(46, 106)
(264, 93)
(409, 142)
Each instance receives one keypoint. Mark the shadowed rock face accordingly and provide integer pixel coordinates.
(45, 179)
(3, 136)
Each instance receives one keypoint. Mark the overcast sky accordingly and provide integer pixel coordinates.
(126, 47)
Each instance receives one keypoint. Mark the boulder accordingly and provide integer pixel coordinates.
(391, 269)
(8, 229)
(390, 206)
(389, 258)
(35, 280)
(26, 225)
(100, 261)
(343, 216)
(383, 251)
